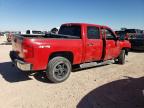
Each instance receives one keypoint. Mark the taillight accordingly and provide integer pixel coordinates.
(28, 51)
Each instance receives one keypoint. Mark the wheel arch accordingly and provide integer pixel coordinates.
(67, 54)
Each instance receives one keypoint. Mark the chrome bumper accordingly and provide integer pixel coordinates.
(23, 65)
(20, 64)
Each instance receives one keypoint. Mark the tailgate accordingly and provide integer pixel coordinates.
(17, 45)
(21, 44)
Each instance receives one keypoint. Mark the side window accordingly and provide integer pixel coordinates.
(110, 35)
(93, 32)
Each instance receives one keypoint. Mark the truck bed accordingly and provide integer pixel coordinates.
(49, 36)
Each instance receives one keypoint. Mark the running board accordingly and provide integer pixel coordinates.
(92, 64)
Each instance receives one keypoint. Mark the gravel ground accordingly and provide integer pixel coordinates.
(110, 86)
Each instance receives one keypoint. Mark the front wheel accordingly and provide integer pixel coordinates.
(59, 69)
(121, 57)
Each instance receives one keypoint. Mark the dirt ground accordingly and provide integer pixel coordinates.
(109, 86)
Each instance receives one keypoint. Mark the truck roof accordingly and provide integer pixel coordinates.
(85, 24)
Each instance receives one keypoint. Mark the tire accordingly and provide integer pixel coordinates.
(121, 58)
(59, 69)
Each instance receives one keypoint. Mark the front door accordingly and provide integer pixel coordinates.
(112, 48)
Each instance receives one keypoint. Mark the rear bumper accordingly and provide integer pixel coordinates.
(19, 63)
(23, 66)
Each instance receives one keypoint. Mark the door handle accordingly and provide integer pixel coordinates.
(90, 44)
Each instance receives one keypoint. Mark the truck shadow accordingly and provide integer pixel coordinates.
(41, 76)
(11, 74)
(125, 93)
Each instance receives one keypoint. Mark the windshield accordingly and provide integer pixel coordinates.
(72, 30)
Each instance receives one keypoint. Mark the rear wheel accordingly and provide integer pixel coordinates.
(59, 69)
(121, 58)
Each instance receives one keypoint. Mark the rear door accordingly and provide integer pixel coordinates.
(112, 48)
(94, 44)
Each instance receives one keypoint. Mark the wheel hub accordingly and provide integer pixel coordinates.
(60, 70)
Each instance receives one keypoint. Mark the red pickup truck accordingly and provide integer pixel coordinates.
(75, 43)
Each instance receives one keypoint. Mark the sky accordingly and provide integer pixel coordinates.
(46, 14)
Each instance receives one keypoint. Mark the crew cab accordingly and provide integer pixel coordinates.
(75, 44)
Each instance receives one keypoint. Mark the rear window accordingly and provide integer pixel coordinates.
(72, 30)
